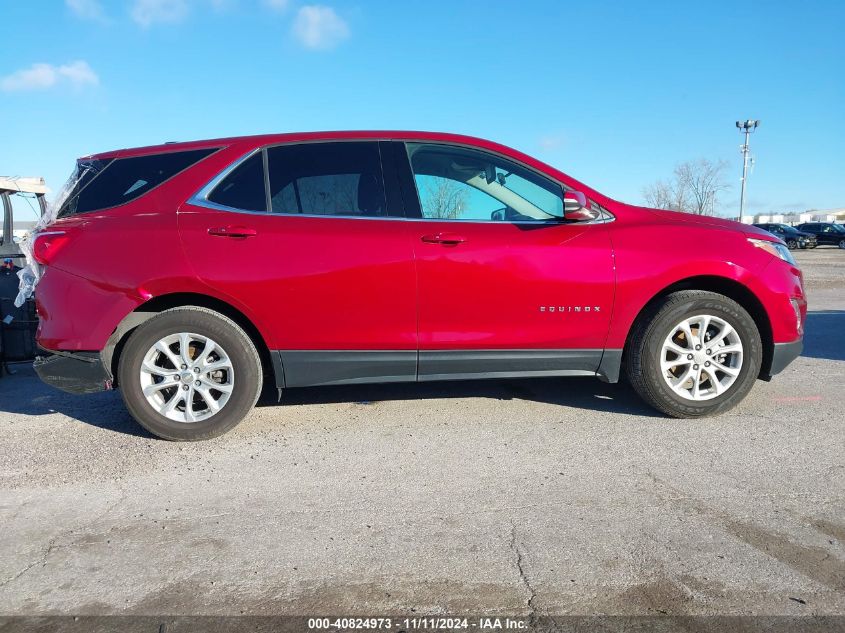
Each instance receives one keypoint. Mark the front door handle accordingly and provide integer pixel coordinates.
(444, 238)
(232, 231)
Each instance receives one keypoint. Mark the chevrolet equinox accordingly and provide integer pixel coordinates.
(189, 274)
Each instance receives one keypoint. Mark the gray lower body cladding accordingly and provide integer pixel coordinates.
(304, 368)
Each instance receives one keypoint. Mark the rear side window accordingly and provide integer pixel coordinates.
(98, 185)
(327, 179)
(332, 179)
(244, 187)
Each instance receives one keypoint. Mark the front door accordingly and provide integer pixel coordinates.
(304, 237)
(505, 286)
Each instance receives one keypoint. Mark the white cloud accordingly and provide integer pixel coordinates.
(79, 73)
(149, 12)
(43, 76)
(319, 28)
(277, 5)
(87, 9)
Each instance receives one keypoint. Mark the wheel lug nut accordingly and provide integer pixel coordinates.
(184, 387)
(197, 383)
(184, 366)
(698, 347)
(197, 369)
(695, 366)
(707, 364)
(689, 356)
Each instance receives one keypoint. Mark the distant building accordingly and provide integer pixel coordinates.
(799, 217)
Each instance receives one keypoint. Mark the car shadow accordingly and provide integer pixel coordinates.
(580, 393)
(824, 335)
(23, 393)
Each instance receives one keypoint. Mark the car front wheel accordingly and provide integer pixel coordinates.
(791, 244)
(189, 374)
(694, 354)
(842, 244)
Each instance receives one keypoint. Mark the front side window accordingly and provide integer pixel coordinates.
(341, 178)
(456, 183)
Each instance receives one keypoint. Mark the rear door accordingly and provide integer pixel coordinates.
(305, 237)
(506, 287)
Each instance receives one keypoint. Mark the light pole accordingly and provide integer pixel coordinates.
(747, 127)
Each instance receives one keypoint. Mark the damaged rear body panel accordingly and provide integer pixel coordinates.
(76, 373)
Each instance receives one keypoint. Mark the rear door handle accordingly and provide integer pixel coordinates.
(232, 231)
(444, 238)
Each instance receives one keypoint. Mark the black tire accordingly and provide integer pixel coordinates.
(246, 365)
(646, 341)
(842, 244)
(791, 244)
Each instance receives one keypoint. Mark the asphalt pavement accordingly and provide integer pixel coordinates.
(561, 496)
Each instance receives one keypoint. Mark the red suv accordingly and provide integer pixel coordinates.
(188, 274)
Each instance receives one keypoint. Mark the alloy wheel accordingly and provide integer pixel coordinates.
(187, 377)
(701, 357)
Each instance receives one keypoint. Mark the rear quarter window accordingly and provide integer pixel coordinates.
(102, 185)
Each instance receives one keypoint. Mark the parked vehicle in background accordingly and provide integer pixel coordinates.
(18, 194)
(828, 233)
(792, 237)
(21, 205)
(187, 274)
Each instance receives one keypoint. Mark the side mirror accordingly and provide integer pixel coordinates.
(577, 208)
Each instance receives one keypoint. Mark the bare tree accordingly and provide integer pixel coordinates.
(704, 180)
(694, 188)
(444, 199)
(665, 195)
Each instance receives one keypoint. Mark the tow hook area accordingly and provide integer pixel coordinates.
(73, 372)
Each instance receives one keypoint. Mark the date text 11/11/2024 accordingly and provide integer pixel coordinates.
(418, 624)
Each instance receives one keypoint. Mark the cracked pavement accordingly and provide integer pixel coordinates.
(530, 497)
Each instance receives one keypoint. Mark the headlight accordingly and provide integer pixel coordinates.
(778, 250)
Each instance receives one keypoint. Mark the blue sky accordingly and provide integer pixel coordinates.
(614, 93)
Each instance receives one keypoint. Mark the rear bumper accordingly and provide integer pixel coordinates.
(73, 372)
(785, 353)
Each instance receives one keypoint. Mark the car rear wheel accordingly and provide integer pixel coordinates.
(189, 374)
(695, 354)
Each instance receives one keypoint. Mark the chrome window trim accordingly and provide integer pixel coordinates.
(200, 198)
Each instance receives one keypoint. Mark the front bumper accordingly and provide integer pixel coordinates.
(73, 372)
(785, 353)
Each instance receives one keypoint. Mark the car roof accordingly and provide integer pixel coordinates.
(293, 137)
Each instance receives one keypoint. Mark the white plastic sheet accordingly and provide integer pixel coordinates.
(30, 274)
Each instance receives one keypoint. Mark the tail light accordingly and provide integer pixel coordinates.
(47, 244)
